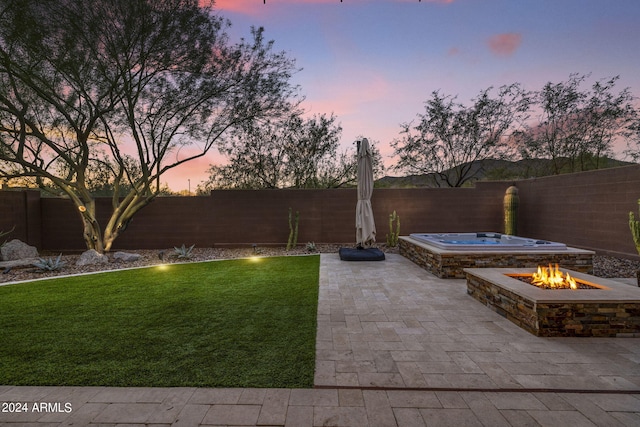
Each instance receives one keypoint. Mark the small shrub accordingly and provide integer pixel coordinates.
(49, 264)
(183, 252)
(311, 247)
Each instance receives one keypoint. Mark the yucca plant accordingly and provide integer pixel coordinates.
(183, 252)
(49, 264)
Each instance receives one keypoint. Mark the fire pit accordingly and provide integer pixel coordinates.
(552, 278)
(594, 307)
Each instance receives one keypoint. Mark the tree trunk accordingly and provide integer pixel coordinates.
(92, 234)
(122, 214)
(110, 235)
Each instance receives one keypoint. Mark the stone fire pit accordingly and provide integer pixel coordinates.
(612, 309)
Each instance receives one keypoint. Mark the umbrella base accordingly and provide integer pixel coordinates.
(362, 254)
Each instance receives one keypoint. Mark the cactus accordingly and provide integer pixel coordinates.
(511, 202)
(293, 231)
(392, 237)
(634, 226)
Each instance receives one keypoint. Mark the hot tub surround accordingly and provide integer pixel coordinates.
(485, 241)
(449, 264)
(612, 309)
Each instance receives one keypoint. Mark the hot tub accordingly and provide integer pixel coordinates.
(447, 254)
(480, 242)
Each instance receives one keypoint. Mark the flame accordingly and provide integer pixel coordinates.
(552, 277)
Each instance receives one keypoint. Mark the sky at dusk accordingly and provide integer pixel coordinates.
(374, 63)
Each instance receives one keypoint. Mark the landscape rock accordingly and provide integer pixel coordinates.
(92, 257)
(16, 249)
(17, 263)
(126, 256)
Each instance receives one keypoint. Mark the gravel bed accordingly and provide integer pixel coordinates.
(153, 257)
(604, 266)
(608, 266)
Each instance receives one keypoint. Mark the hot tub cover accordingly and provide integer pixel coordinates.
(361, 254)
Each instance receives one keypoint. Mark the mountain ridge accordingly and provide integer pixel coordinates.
(494, 169)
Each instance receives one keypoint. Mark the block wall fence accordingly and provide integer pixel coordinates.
(587, 210)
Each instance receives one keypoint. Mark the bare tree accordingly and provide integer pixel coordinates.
(292, 152)
(141, 85)
(450, 138)
(341, 169)
(576, 128)
(633, 139)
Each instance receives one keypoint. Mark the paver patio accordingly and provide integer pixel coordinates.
(391, 324)
(395, 346)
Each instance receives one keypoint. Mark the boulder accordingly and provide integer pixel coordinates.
(126, 256)
(92, 257)
(15, 249)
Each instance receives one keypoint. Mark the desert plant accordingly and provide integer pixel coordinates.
(634, 226)
(311, 247)
(511, 202)
(184, 252)
(49, 264)
(392, 237)
(293, 230)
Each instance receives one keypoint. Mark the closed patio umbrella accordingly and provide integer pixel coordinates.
(365, 224)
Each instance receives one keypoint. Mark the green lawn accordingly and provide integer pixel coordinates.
(236, 323)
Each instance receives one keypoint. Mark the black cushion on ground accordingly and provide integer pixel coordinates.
(368, 254)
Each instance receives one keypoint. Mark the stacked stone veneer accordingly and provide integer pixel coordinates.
(515, 308)
(450, 264)
(559, 319)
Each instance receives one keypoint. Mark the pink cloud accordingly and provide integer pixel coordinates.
(255, 6)
(252, 7)
(505, 44)
(248, 7)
